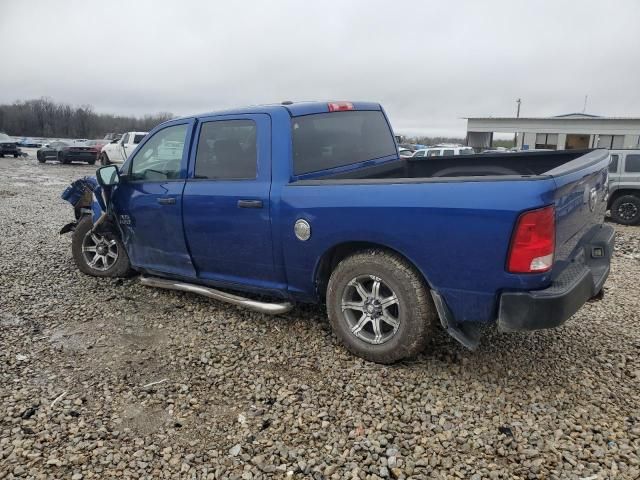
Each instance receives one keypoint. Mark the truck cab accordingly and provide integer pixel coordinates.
(118, 150)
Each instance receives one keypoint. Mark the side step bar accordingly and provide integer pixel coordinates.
(256, 306)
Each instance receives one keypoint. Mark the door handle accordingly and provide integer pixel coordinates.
(249, 203)
(167, 201)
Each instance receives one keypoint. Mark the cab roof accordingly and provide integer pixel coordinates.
(294, 109)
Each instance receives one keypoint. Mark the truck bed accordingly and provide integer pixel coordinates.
(495, 165)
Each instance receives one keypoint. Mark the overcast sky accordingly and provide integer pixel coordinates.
(428, 63)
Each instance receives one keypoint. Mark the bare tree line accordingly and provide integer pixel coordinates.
(45, 118)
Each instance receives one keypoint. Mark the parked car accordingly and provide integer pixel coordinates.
(65, 152)
(8, 146)
(117, 151)
(277, 200)
(624, 186)
(443, 151)
(29, 142)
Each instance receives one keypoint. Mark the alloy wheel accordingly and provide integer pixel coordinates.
(99, 252)
(627, 211)
(371, 309)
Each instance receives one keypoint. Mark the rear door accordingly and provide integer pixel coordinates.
(630, 171)
(226, 201)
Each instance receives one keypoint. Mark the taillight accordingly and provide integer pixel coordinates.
(340, 106)
(533, 242)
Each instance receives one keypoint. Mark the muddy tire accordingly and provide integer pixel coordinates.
(99, 255)
(63, 159)
(41, 158)
(626, 210)
(379, 307)
(104, 159)
(91, 162)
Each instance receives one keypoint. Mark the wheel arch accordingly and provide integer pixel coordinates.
(335, 254)
(621, 192)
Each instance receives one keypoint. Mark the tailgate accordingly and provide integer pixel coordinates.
(580, 199)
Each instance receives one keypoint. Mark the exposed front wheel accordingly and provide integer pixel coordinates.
(379, 306)
(626, 210)
(104, 159)
(100, 255)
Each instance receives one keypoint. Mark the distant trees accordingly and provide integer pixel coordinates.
(45, 118)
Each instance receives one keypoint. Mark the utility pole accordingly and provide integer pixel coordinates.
(515, 135)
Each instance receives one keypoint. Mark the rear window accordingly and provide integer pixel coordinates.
(137, 138)
(328, 140)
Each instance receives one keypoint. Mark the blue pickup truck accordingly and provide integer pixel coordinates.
(310, 202)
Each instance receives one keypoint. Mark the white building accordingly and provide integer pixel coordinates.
(571, 131)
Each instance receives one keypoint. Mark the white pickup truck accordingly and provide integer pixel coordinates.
(119, 150)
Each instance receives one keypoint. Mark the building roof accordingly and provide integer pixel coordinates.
(567, 116)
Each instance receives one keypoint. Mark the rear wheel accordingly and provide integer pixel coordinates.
(15, 155)
(99, 255)
(91, 162)
(41, 158)
(626, 210)
(379, 307)
(62, 158)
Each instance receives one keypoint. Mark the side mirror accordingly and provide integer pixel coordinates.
(108, 176)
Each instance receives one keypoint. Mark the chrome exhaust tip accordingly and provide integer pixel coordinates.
(254, 305)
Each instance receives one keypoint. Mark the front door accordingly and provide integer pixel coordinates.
(148, 202)
(226, 205)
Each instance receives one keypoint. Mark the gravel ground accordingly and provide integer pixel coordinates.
(242, 395)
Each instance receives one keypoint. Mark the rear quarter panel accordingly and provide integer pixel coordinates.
(456, 233)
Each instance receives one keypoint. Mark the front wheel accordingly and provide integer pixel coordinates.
(99, 255)
(626, 209)
(379, 307)
(41, 158)
(104, 159)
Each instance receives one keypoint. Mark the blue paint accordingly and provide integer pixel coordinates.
(456, 233)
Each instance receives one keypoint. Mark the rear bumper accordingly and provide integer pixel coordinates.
(579, 281)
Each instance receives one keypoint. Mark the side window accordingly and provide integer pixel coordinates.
(632, 164)
(159, 159)
(447, 153)
(613, 163)
(419, 153)
(137, 139)
(125, 139)
(227, 150)
(433, 153)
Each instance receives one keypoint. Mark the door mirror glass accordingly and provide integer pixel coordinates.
(108, 176)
